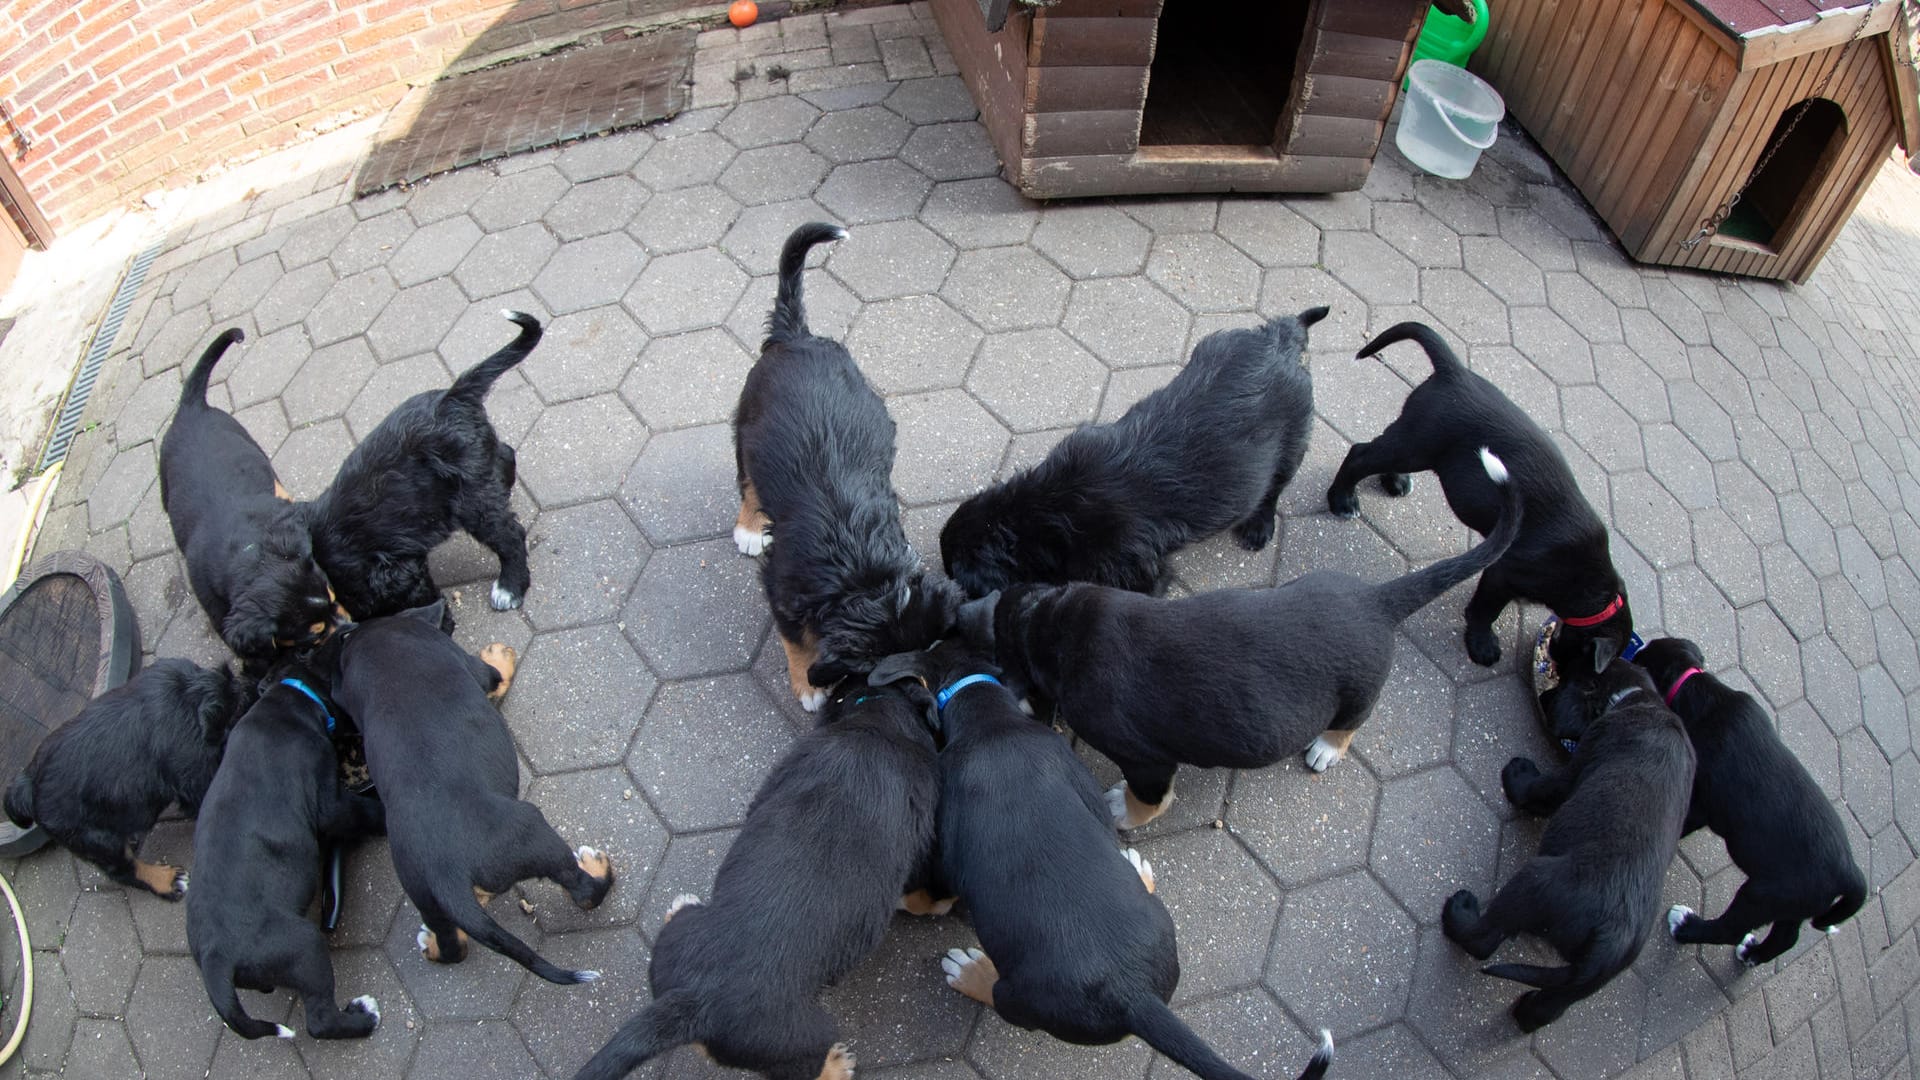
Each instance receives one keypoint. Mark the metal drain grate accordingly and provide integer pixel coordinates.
(68, 422)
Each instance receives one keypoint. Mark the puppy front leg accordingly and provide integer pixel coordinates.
(970, 972)
(1490, 598)
(1538, 793)
(800, 660)
(348, 816)
(753, 529)
(1143, 795)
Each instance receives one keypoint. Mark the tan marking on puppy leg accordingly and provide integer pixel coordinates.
(1142, 867)
(500, 657)
(280, 491)
(921, 902)
(1333, 741)
(839, 1064)
(157, 877)
(800, 658)
(1129, 812)
(431, 943)
(701, 1049)
(683, 900)
(595, 863)
(972, 973)
(482, 895)
(753, 529)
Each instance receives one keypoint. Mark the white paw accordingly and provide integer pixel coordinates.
(1745, 947)
(685, 899)
(501, 599)
(368, 1005)
(813, 699)
(1832, 931)
(584, 852)
(956, 962)
(750, 542)
(1676, 915)
(1117, 804)
(1141, 866)
(1026, 706)
(1321, 754)
(420, 939)
(180, 886)
(283, 1031)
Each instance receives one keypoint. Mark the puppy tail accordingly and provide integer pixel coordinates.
(1159, 1028)
(788, 319)
(194, 390)
(1439, 353)
(1403, 596)
(20, 802)
(217, 973)
(468, 915)
(1842, 910)
(654, 1030)
(472, 385)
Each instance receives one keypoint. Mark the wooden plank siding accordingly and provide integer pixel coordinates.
(1654, 119)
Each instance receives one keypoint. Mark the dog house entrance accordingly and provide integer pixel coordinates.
(1776, 193)
(1222, 73)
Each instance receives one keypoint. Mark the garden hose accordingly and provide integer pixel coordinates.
(26, 973)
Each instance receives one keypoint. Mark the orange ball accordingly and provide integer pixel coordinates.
(743, 13)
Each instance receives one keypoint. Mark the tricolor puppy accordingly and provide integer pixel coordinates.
(835, 840)
(248, 554)
(1237, 678)
(1208, 451)
(1781, 829)
(1592, 891)
(99, 781)
(433, 465)
(814, 449)
(256, 856)
(444, 765)
(1560, 558)
(1073, 941)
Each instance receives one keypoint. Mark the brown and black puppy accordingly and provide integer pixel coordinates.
(99, 782)
(256, 856)
(1560, 558)
(814, 449)
(443, 763)
(1781, 829)
(837, 834)
(1074, 941)
(1592, 891)
(248, 554)
(1237, 678)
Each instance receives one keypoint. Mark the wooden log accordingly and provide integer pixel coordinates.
(1073, 134)
(1092, 42)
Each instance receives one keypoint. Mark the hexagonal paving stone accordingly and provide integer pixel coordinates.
(951, 151)
(583, 558)
(1269, 232)
(767, 121)
(576, 700)
(328, 381)
(266, 366)
(1092, 241)
(703, 749)
(1552, 345)
(291, 297)
(947, 446)
(1037, 379)
(1203, 272)
(686, 291)
(518, 199)
(595, 207)
(580, 450)
(113, 499)
(168, 1019)
(565, 1025)
(697, 610)
(684, 161)
(1305, 826)
(1343, 955)
(687, 379)
(1411, 723)
(588, 273)
(1832, 686)
(868, 191)
(861, 134)
(980, 213)
(505, 260)
(244, 287)
(1433, 836)
(928, 101)
(391, 385)
(1368, 266)
(684, 219)
(584, 353)
(489, 1050)
(892, 259)
(433, 251)
(416, 319)
(1127, 322)
(1885, 712)
(772, 173)
(101, 953)
(682, 487)
(759, 232)
(913, 344)
(1007, 289)
(349, 306)
(1651, 519)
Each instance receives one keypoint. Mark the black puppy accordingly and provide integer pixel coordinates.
(836, 835)
(1780, 828)
(1592, 891)
(99, 782)
(1237, 678)
(1209, 450)
(444, 765)
(813, 445)
(248, 554)
(1076, 943)
(256, 857)
(1560, 558)
(435, 463)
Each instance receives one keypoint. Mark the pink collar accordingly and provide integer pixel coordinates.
(1680, 682)
(1604, 614)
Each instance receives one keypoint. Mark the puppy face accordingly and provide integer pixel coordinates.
(922, 673)
(908, 613)
(286, 602)
(977, 543)
(1591, 649)
(1576, 703)
(1666, 659)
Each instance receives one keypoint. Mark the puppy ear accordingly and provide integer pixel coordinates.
(975, 622)
(432, 614)
(902, 599)
(895, 668)
(1605, 649)
(828, 670)
(249, 635)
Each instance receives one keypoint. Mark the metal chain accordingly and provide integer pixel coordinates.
(1712, 224)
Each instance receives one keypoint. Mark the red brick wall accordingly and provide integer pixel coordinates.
(118, 97)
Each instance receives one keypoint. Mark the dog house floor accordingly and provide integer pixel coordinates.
(1221, 82)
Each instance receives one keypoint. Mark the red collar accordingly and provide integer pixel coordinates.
(1680, 682)
(1605, 613)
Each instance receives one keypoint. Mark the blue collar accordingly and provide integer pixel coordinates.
(940, 700)
(308, 690)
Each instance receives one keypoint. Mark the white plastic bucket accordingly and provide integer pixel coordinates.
(1450, 116)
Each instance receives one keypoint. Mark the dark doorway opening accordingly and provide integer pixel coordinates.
(1779, 191)
(1222, 73)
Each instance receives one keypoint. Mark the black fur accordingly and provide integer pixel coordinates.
(1560, 558)
(1592, 891)
(835, 836)
(444, 765)
(1084, 950)
(1781, 829)
(99, 782)
(248, 554)
(1235, 678)
(434, 464)
(815, 444)
(1210, 450)
(256, 859)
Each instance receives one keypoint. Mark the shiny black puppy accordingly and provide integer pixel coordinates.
(813, 446)
(433, 465)
(256, 856)
(1210, 450)
(1560, 559)
(1592, 891)
(98, 782)
(1074, 941)
(248, 554)
(1781, 829)
(835, 840)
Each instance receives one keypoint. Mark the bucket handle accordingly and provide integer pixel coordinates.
(1493, 130)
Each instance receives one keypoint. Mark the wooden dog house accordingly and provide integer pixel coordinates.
(1121, 97)
(1659, 111)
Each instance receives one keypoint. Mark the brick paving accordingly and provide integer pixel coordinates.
(1753, 446)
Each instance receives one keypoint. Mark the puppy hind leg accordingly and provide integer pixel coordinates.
(311, 976)
(1490, 598)
(1144, 793)
(586, 873)
(439, 939)
(1256, 530)
(1784, 935)
(1466, 925)
(970, 972)
(800, 660)
(752, 529)
(1391, 454)
(1747, 912)
(488, 515)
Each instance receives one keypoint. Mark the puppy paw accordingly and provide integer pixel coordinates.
(1677, 916)
(1140, 866)
(594, 862)
(1344, 504)
(752, 542)
(1396, 483)
(1321, 754)
(1518, 773)
(813, 699)
(180, 889)
(282, 1031)
(1461, 911)
(1128, 811)
(840, 1063)
(502, 598)
(970, 972)
(365, 1003)
(1254, 534)
(1744, 951)
(1482, 647)
(685, 899)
